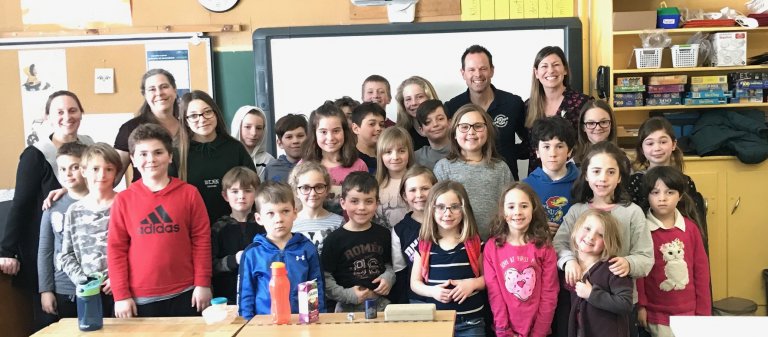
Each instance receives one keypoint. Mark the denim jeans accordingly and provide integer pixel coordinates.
(474, 327)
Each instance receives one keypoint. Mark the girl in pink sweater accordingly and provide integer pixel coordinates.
(521, 266)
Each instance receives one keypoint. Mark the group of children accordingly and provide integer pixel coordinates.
(416, 236)
(445, 224)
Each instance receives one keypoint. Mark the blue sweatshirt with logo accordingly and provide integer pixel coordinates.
(555, 195)
(301, 261)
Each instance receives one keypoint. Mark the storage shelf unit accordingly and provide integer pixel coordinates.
(691, 31)
(690, 107)
(662, 71)
(736, 259)
(616, 49)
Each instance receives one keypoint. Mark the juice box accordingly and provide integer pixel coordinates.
(309, 302)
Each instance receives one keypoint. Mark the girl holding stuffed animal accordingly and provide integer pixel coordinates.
(520, 266)
(678, 283)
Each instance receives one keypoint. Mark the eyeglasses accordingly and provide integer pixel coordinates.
(306, 189)
(455, 208)
(207, 114)
(464, 127)
(603, 124)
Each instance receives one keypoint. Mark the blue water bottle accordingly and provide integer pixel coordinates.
(90, 316)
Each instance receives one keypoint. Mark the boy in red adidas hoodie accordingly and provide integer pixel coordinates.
(159, 240)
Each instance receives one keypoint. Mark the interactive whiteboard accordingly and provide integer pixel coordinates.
(298, 68)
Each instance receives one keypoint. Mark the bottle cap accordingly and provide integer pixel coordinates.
(218, 300)
(89, 288)
(277, 265)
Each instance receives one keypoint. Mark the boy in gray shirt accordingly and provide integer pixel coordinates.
(57, 292)
(434, 124)
(84, 247)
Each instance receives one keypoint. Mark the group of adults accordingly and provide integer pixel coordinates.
(551, 95)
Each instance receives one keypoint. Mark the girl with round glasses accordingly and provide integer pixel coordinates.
(448, 269)
(474, 162)
(311, 182)
(596, 124)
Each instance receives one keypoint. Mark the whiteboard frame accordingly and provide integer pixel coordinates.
(263, 37)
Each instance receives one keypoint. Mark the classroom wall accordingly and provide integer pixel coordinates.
(233, 68)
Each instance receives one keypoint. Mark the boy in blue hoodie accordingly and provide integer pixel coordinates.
(291, 131)
(276, 211)
(554, 138)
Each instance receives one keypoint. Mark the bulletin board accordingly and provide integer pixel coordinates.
(125, 54)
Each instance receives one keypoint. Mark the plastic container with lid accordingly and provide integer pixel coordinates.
(667, 17)
(217, 312)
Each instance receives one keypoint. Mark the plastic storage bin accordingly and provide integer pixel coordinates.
(685, 55)
(648, 57)
(667, 17)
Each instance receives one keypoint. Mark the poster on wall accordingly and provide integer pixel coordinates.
(41, 72)
(80, 14)
(173, 57)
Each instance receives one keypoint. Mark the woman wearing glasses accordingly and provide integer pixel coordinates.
(474, 162)
(596, 124)
(207, 151)
(551, 94)
(159, 90)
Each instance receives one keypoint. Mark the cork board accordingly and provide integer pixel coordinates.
(126, 56)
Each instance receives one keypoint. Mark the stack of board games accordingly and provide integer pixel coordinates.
(748, 87)
(628, 92)
(708, 90)
(666, 90)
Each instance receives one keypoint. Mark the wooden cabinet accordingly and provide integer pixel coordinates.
(737, 216)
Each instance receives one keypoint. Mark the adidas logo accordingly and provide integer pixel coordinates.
(158, 222)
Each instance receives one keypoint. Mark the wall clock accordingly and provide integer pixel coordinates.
(218, 6)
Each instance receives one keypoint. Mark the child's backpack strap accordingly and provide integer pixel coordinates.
(472, 246)
(424, 247)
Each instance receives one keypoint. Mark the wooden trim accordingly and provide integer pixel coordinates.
(659, 71)
(51, 31)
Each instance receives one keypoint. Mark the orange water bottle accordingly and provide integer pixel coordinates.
(279, 291)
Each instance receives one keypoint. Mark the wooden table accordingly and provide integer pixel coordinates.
(146, 327)
(337, 325)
